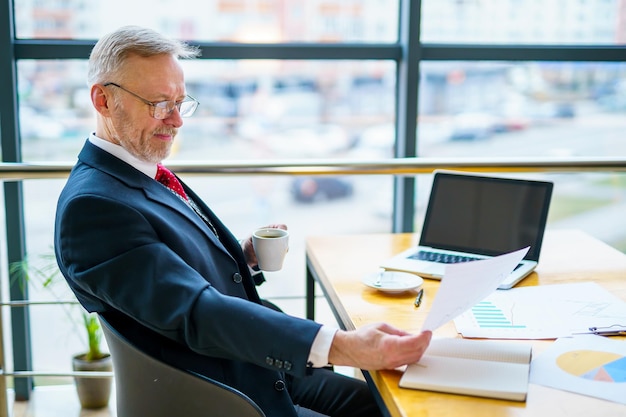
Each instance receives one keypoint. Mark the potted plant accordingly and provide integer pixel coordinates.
(93, 392)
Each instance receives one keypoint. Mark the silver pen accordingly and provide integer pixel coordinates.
(418, 299)
(614, 330)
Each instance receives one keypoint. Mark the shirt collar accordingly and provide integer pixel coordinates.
(147, 168)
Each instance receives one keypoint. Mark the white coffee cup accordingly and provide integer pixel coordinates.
(271, 246)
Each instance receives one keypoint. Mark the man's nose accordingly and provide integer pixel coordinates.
(174, 118)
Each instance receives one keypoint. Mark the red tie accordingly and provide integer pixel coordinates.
(167, 178)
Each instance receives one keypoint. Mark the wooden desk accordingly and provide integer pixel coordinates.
(337, 264)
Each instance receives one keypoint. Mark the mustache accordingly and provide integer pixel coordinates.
(169, 131)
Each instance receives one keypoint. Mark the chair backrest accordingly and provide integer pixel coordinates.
(148, 387)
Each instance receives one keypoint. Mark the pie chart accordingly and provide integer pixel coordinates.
(594, 365)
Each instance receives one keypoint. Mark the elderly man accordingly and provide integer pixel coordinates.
(141, 248)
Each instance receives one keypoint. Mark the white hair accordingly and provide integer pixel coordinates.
(110, 52)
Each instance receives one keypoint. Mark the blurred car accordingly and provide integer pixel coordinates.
(549, 111)
(313, 189)
(311, 141)
(512, 124)
(471, 126)
(564, 110)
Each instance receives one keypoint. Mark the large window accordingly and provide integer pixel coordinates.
(489, 109)
(494, 78)
(246, 21)
(563, 22)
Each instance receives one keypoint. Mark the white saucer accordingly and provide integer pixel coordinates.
(392, 281)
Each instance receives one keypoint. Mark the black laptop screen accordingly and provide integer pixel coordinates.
(486, 215)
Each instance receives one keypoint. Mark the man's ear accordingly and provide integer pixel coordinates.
(100, 99)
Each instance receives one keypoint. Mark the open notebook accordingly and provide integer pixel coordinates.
(472, 367)
(472, 217)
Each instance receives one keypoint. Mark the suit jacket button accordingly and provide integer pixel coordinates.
(287, 366)
(279, 385)
(237, 277)
(269, 360)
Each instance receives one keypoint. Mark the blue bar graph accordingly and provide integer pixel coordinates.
(488, 315)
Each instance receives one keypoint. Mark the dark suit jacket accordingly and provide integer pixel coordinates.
(133, 251)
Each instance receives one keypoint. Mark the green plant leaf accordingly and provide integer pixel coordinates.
(45, 272)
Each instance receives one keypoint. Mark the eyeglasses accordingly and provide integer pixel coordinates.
(163, 109)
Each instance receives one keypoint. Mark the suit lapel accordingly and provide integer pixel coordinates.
(227, 242)
(153, 190)
(226, 238)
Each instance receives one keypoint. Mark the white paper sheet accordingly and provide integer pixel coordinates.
(589, 365)
(542, 312)
(465, 284)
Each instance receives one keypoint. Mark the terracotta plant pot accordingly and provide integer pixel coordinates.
(93, 392)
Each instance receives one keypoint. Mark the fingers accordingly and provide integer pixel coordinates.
(378, 346)
(401, 348)
(408, 349)
(248, 252)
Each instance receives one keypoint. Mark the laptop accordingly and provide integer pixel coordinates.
(471, 217)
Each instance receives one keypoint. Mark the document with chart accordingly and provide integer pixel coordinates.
(542, 312)
(586, 364)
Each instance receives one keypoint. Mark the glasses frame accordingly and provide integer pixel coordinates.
(162, 105)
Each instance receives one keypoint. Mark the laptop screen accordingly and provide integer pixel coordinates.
(486, 215)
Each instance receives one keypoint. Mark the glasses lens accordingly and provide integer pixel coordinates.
(187, 107)
(163, 109)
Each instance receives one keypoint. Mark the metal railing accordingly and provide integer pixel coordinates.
(398, 166)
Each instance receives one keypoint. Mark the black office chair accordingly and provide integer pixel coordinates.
(147, 387)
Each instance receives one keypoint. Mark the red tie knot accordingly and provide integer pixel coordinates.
(167, 178)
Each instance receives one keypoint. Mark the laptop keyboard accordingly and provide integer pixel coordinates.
(424, 255)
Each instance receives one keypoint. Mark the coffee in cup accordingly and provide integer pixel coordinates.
(271, 246)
